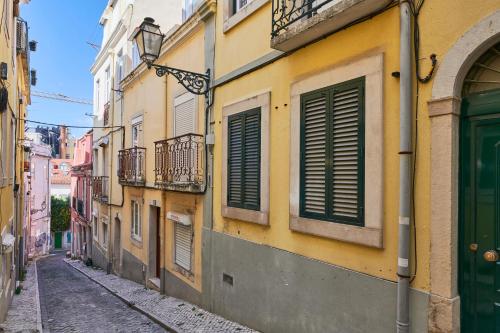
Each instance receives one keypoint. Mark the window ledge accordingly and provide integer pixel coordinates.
(246, 215)
(137, 242)
(232, 20)
(344, 232)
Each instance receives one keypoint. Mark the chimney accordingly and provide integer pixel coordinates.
(63, 141)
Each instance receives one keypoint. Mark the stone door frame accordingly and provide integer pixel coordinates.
(444, 113)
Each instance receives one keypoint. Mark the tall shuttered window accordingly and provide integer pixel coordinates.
(183, 245)
(243, 184)
(332, 153)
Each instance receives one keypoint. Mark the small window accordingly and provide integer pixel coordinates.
(137, 132)
(119, 69)
(135, 57)
(96, 228)
(332, 153)
(243, 184)
(107, 88)
(183, 245)
(136, 220)
(239, 4)
(104, 234)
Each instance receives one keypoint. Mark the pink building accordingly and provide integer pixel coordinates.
(37, 198)
(81, 183)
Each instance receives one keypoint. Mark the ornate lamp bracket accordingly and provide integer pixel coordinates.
(196, 83)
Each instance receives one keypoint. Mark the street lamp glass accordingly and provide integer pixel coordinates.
(148, 39)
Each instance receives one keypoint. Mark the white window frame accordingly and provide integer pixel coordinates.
(136, 205)
(232, 17)
(371, 234)
(107, 92)
(95, 225)
(137, 124)
(119, 68)
(135, 61)
(105, 235)
(262, 101)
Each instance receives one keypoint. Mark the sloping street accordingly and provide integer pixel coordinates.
(70, 302)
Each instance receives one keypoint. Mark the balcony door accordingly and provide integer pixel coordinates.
(184, 114)
(135, 161)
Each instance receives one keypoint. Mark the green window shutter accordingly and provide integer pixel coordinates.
(244, 160)
(332, 153)
(314, 129)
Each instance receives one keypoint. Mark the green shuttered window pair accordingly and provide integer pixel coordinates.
(332, 153)
(243, 183)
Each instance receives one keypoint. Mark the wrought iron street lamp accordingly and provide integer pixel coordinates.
(149, 39)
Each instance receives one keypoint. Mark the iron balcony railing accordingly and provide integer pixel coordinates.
(179, 163)
(79, 208)
(100, 188)
(287, 12)
(131, 166)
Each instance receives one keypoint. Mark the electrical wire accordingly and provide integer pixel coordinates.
(416, 6)
(68, 126)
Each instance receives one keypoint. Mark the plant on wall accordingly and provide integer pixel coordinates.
(60, 214)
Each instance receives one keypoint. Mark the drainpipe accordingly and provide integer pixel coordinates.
(405, 155)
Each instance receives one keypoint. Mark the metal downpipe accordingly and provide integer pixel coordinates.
(405, 156)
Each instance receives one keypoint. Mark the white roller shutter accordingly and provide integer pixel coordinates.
(183, 235)
(184, 114)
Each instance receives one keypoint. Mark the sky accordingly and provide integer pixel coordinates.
(63, 58)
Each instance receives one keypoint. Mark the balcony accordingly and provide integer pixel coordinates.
(179, 163)
(298, 22)
(131, 166)
(106, 114)
(100, 188)
(22, 37)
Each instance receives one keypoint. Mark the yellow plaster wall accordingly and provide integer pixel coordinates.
(153, 97)
(442, 23)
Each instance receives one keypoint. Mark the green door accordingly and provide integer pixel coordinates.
(480, 213)
(58, 240)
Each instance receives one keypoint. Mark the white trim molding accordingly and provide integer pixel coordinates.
(371, 234)
(262, 101)
(230, 19)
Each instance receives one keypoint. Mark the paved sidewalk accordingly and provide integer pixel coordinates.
(174, 314)
(24, 312)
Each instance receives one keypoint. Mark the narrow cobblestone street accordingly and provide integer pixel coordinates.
(70, 302)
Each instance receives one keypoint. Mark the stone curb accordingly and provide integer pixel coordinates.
(38, 308)
(168, 327)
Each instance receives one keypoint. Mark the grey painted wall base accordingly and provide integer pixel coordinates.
(99, 258)
(272, 290)
(132, 267)
(173, 286)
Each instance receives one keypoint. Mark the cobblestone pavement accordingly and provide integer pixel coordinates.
(178, 315)
(70, 302)
(24, 312)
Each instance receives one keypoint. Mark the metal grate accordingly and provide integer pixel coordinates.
(287, 12)
(179, 163)
(131, 166)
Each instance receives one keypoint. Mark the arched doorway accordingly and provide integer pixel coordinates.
(445, 106)
(479, 204)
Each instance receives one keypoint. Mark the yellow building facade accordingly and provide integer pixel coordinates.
(290, 267)
(165, 138)
(321, 186)
(15, 96)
